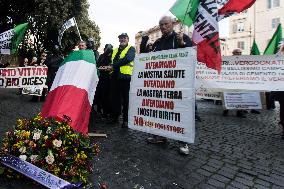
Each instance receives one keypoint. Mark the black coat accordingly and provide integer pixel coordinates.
(104, 60)
(165, 43)
(53, 62)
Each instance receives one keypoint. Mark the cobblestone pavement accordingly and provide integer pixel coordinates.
(228, 152)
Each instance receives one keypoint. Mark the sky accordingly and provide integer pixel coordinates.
(131, 16)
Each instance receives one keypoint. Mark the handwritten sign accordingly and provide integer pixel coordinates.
(162, 94)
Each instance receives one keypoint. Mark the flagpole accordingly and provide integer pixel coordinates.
(77, 29)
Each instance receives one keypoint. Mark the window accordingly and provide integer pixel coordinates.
(273, 3)
(241, 45)
(240, 27)
(275, 22)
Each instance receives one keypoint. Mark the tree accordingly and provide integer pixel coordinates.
(45, 17)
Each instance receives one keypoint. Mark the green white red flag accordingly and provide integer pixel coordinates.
(73, 89)
(205, 14)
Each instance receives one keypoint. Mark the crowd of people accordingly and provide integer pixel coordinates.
(115, 68)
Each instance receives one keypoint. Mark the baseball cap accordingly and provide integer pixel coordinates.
(123, 35)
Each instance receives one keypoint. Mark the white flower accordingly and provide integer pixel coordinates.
(45, 137)
(57, 143)
(23, 150)
(23, 157)
(49, 159)
(37, 136)
(33, 158)
(48, 131)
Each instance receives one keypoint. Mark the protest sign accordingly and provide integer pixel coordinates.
(162, 94)
(255, 73)
(33, 90)
(23, 77)
(207, 94)
(242, 100)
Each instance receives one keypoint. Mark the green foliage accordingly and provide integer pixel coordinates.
(45, 17)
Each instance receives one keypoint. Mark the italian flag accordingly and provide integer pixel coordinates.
(204, 15)
(73, 89)
(10, 40)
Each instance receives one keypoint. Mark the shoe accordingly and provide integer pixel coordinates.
(184, 150)
(157, 140)
(124, 124)
(225, 112)
(255, 112)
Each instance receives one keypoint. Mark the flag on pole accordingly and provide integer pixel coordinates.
(205, 16)
(69, 23)
(233, 6)
(254, 49)
(185, 10)
(10, 40)
(273, 44)
(73, 89)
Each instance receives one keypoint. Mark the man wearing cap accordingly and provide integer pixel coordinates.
(122, 66)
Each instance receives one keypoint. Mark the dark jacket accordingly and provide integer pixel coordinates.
(53, 62)
(104, 60)
(117, 63)
(165, 43)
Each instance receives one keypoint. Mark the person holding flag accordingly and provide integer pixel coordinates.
(169, 40)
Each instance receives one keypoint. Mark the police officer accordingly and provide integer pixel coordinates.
(121, 66)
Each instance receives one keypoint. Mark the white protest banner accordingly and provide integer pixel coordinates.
(162, 94)
(207, 94)
(255, 73)
(33, 90)
(242, 100)
(22, 77)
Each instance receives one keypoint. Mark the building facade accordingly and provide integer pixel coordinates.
(259, 22)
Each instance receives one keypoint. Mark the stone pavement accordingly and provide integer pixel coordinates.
(228, 152)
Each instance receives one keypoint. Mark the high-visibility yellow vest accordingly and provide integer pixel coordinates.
(128, 68)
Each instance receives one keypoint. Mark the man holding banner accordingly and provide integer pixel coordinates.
(169, 40)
